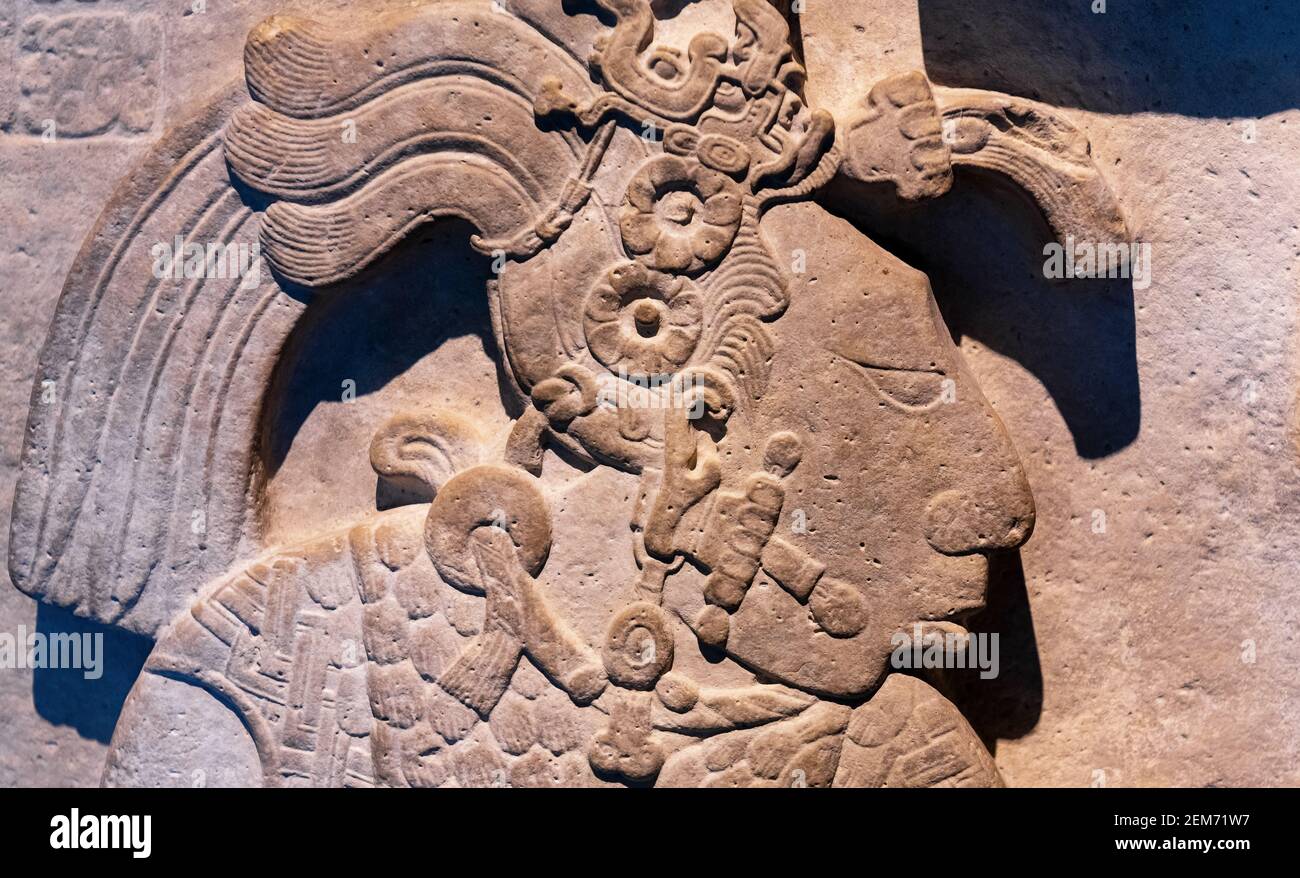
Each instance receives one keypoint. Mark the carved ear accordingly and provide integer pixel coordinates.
(133, 488)
(419, 451)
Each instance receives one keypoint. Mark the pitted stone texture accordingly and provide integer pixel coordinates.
(691, 583)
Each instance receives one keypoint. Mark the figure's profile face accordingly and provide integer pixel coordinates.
(907, 478)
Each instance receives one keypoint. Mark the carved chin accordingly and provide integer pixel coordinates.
(959, 586)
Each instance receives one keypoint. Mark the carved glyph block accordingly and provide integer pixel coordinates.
(82, 74)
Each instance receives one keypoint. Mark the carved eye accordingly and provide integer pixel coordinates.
(909, 389)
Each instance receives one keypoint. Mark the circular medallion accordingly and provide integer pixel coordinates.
(638, 646)
(643, 322)
(679, 215)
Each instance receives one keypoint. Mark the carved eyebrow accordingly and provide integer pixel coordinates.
(934, 370)
(866, 362)
(865, 372)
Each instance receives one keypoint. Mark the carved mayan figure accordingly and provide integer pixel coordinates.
(740, 449)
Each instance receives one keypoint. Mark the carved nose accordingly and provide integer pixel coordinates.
(961, 522)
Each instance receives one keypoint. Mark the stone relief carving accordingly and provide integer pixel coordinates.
(778, 467)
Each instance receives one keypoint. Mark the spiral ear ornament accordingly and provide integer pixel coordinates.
(705, 391)
(638, 646)
(490, 495)
(725, 154)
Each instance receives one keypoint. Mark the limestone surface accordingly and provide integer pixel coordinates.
(721, 393)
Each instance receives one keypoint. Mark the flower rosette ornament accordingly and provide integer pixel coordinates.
(678, 215)
(642, 322)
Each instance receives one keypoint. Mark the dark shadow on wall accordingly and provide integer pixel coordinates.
(1009, 704)
(64, 696)
(431, 288)
(982, 247)
(1202, 58)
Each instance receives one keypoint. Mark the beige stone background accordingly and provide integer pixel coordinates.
(1160, 649)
